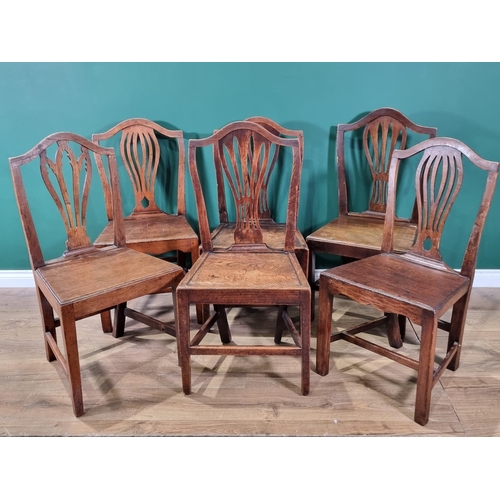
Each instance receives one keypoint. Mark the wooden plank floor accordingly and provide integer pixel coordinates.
(132, 386)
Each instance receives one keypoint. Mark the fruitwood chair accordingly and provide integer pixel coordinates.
(249, 272)
(149, 229)
(85, 280)
(356, 235)
(417, 284)
(273, 233)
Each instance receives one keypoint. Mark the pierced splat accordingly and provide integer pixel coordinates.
(274, 234)
(263, 209)
(438, 180)
(380, 138)
(247, 160)
(72, 207)
(140, 152)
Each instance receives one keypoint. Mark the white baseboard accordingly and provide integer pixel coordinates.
(485, 278)
(16, 279)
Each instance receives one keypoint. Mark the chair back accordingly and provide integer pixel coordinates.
(265, 212)
(438, 180)
(244, 155)
(383, 131)
(68, 178)
(140, 152)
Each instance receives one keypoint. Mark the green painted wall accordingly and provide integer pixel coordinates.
(461, 99)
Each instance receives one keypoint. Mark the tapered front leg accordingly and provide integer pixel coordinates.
(48, 324)
(174, 303)
(183, 338)
(325, 307)
(305, 338)
(311, 278)
(68, 327)
(426, 368)
(457, 325)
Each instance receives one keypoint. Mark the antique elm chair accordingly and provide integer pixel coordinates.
(417, 284)
(149, 229)
(249, 272)
(85, 280)
(273, 233)
(358, 234)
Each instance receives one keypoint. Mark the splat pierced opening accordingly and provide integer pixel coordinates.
(145, 202)
(427, 244)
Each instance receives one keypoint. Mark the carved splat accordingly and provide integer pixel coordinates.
(247, 160)
(72, 207)
(264, 211)
(438, 180)
(380, 138)
(140, 152)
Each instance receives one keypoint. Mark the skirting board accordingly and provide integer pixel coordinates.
(485, 278)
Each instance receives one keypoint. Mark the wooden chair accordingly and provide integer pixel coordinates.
(356, 235)
(249, 272)
(273, 233)
(417, 284)
(149, 229)
(85, 280)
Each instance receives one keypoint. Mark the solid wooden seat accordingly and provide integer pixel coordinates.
(85, 280)
(149, 151)
(273, 233)
(358, 234)
(350, 233)
(158, 233)
(248, 272)
(417, 284)
(273, 271)
(440, 286)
